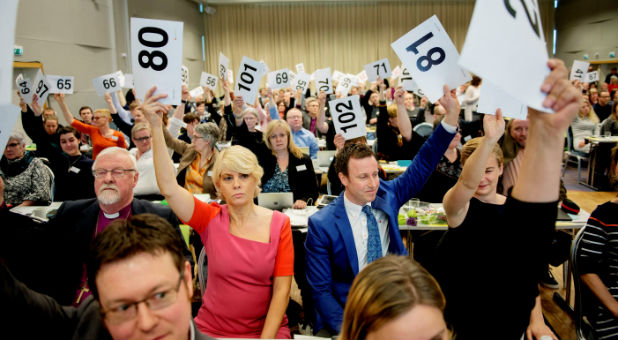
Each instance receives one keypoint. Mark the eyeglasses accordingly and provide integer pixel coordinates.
(98, 117)
(116, 173)
(12, 145)
(142, 139)
(128, 311)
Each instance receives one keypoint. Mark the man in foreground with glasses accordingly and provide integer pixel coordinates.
(50, 257)
(141, 287)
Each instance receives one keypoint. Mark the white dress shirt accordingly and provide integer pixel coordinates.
(358, 222)
(147, 181)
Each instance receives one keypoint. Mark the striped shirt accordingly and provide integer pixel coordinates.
(599, 255)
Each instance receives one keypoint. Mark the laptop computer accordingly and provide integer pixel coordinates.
(276, 200)
(563, 216)
(325, 157)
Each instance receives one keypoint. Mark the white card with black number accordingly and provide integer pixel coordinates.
(106, 83)
(348, 117)
(41, 88)
(24, 86)
(300, 68)
(380, 68)
(248, 79)
(505, 45)
(407, 82)
(431, 58)
(493, 98)
(279, 79)
(8, 18)
(344, 85)
(184, 75)
(300, 82)
(592, 76)
(208, 80)
(224, 64)
(128, 81)
(61, 84)
(198, 91)
(579, 70)
(323, 81)
(156, 50)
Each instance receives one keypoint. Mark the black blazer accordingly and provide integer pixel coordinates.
(23, 308)
(301, 176)
(49, 257)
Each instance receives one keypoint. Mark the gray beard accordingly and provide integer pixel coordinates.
(108, 197)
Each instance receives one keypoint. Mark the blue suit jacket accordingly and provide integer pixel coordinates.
(331, 257)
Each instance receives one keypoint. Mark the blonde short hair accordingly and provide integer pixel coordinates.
(278, 123)
(238, 159)
(138, 127)
(392, 110)
(473, 144)
(104, 112)
(252, 111)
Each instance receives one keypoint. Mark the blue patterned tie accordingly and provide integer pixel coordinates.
(374, 245)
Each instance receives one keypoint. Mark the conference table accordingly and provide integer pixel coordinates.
(600, 149)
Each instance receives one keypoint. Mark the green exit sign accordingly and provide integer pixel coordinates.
(18, 51)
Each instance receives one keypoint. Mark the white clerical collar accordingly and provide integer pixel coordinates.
(111, 216)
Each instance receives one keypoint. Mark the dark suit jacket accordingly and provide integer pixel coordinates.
(331, 260)
(49, 257)
(21, 308)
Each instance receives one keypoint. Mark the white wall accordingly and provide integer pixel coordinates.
(587, 27)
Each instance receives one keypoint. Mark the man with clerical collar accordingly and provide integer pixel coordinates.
(142, 289)
(50, 257)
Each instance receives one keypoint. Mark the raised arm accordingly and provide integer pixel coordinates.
(405, 126)
(179, 199)
(118, 107)
(66, 113)
(227, 98)
(322, 125)
(457, 199)
(539, 175)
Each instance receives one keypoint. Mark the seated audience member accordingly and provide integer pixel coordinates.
(604, 106)
(370, 102)
(394, 298)
(610, 124)
(475, 212)
(198, 158)
(471, 98)
(446, 173)
(73, 177)
(146, 186)
(286, 168)
(584, 125)
(130, 262)
(72, 170)
(62, 242)
(302, 137)
(593, 96)
(333, 178)
(336, 248)
(249, 248)
(85, 113)
(612, 72)
(394, 130)
(191, 120)
(101, 134)
(513, 146)
(28, 180)
(613, 84)
(311, 117)
(42, 133)
(596, 261)
(411, 109)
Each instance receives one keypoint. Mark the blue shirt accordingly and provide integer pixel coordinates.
(304, 138)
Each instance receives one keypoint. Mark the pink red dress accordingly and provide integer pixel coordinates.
(240, 273)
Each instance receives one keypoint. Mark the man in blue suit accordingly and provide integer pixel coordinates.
(361, 224)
